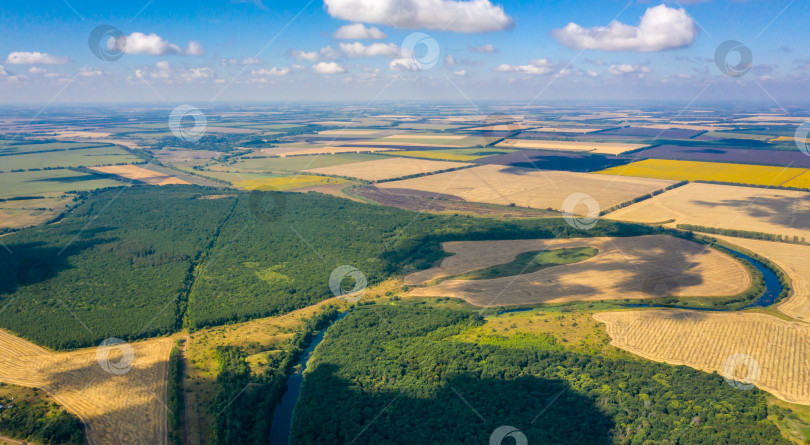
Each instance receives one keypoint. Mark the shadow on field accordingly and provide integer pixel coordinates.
(781, 211)
(464, 410)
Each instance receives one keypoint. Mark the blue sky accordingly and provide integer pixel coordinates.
(223, 50)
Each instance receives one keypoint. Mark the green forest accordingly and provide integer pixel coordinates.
(143, 261)
(116, 266)
(30, 415)
(399, 365)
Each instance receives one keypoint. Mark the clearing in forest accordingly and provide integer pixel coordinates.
(624, 268)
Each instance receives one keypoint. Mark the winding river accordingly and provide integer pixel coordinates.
(283, 415)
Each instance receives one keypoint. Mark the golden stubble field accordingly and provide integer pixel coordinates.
(751, 348)
(140, 174)
(382, 169)
(794, 260)
(779, 212)
(538, 189)
(611, 148)
(625, 268)
(125, 408)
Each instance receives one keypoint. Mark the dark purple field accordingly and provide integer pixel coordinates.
(555, 160)
(652, 133)
(732, 155)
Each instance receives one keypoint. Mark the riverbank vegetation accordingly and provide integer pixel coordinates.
(405, 367)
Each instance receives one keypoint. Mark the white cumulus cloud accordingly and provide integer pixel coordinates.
(328, 68)
(445, 15)
(404, 64)
(660, 28)
(357, 49)
(154, 45)
(274, 71)
(35, 58)
(537, 67)
(629, 70)
(358, 31)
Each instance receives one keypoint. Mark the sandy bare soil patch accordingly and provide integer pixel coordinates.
(386, 168)
(140, 174)
(128, 408)
(632, 267)
(779, 212)
(503, 185)
(335, 150)
(794, 259)
(612, 148)
(717, 341)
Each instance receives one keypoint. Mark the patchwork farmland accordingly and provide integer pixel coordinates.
(776, 212)
(495, 184)
(761, 175)
(390, 168)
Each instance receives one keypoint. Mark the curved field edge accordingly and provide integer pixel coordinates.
(712, 342)
(626, 268)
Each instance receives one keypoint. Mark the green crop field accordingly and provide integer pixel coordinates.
(50, 182)
(17, 148)
(85, 157)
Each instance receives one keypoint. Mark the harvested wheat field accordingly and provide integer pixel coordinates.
(791, 258)
(717, 341)
(129, 408)
(624, 268)
(538, 189)
(779, 212)
(140, 174)
(381, 169)
(610, 148)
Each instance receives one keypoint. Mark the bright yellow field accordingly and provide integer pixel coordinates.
(288, 182)
(624, 268)
(128, 408)
(710, 171)
(712, 341)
